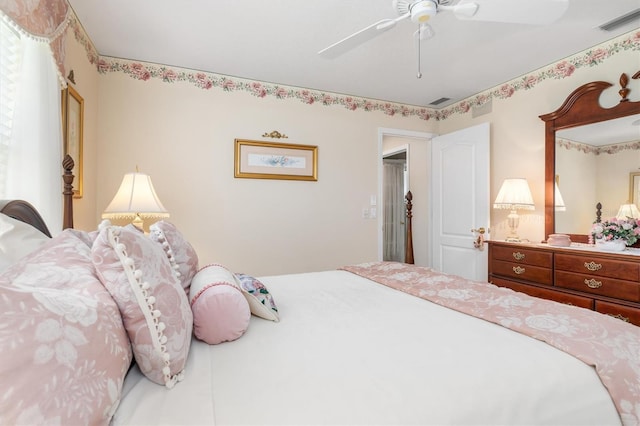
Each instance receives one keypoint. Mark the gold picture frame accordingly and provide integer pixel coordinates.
(72, 131)
(634, 188)
(273, 160)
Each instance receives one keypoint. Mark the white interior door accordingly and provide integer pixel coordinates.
(460, 201)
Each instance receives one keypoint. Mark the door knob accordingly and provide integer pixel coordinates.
(479, 230)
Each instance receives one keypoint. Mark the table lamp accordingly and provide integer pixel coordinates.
(135, 199)
(514, 195)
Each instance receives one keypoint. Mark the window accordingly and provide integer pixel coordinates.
(9, 74)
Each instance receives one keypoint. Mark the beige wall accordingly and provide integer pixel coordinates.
(183, 137)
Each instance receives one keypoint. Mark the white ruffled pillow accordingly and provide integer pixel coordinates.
(17, 239)
(154, 308)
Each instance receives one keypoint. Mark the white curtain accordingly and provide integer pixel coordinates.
(394, 210)
(35, 146)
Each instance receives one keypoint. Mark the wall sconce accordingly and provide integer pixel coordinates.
(628, 211)
(514, 195)
(135, 199)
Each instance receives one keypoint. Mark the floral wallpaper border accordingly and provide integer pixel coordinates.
(597, 150)
(207, 80)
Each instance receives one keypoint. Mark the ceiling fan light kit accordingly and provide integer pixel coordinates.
(422, 11)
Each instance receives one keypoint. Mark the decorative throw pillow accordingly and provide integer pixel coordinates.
(18, 239)
(155, 311)
(181, 254)
(220, 311)
(260, 300)
(63, 350)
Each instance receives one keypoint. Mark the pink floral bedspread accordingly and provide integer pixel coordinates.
(611, 346)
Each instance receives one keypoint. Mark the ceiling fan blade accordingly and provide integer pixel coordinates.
(533, 12)
(356, 39)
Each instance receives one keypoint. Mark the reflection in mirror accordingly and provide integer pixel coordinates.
(593, 164)
(601, 155)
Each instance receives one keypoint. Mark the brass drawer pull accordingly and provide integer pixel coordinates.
(593, 283)
(593, 266)
(518, 270)
(620, 317)
(518, 256)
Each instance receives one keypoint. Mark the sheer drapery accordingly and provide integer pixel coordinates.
(32, 148)
(394, 212)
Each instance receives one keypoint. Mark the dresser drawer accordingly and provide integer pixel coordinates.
(543, 293)
(522, 272)
(594, 265)
(603, 286)
(625, 313)
(524, 256)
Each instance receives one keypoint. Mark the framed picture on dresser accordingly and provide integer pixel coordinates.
(72, 131)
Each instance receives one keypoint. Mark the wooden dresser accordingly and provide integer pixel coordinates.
(602, 281)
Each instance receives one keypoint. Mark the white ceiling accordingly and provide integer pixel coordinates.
(277, 41)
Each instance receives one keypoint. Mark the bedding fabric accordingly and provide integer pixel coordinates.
(350, 351)
(63, 351)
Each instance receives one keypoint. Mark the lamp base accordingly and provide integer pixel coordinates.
(138, 222)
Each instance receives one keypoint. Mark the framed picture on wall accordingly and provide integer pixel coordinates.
(271, 160)
(72, 124)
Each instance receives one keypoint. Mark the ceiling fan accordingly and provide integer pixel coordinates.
(535, 12)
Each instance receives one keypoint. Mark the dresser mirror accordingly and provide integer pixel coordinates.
(589, 156)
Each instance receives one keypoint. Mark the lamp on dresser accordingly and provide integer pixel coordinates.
(628, 211)
(514, 195)
(136, 198)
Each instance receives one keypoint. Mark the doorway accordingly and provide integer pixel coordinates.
(418, 157)
(395, 184)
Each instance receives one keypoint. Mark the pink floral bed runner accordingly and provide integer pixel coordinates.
(611, 346)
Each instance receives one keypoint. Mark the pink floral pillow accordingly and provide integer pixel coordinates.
(154, 308)
(63, 350)
(220, 311)
(181, 254)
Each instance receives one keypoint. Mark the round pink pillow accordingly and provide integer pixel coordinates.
(221, 312)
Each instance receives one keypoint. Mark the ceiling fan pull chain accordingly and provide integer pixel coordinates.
(419, 75)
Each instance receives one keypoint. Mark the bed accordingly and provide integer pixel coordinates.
(111, 326)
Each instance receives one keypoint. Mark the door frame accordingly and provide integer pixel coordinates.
(409, 134)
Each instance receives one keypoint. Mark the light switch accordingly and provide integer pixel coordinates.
(373, 212)
(365, 213)
(373, 200)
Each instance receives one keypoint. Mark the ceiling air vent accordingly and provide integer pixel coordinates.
(620, 20)
(439, 101)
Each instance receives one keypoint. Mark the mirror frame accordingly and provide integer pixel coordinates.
(581, 107)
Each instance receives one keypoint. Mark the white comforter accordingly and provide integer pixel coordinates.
(350, 351)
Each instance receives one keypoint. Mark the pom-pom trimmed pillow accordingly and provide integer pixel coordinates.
(181, 254)
(220, 311)
(63, 350)
(154, 308)
(260, 300)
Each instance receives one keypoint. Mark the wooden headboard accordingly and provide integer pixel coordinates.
(25, 212)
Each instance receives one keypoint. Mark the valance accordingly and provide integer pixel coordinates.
(41, 20)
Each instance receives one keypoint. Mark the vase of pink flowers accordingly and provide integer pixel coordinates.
(616, 234)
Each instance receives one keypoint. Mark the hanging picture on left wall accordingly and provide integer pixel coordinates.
(72, 124)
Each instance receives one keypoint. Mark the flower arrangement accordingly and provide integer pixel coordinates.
(627, 230)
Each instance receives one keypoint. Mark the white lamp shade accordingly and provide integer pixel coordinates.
(135, 197)
(559, 202)
(627, 211)
(514, 194)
